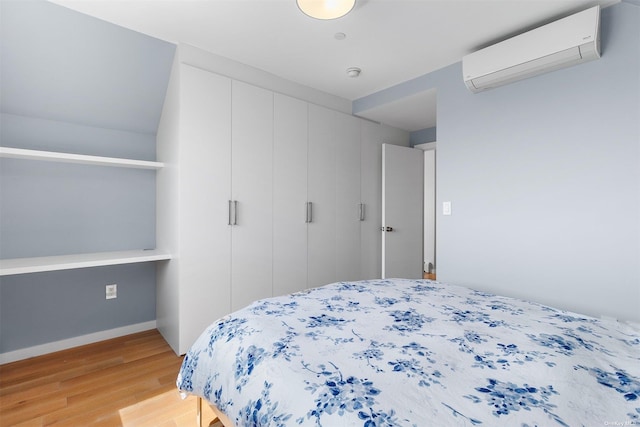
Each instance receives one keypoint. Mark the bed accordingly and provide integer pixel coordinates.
(413, 353)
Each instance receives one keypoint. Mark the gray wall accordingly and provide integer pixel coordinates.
(40, 308)
(51, 208)
(544, 179)
(423, 136)
(75, 84)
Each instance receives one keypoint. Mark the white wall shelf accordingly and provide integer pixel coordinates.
(67, 262)
(52, 156)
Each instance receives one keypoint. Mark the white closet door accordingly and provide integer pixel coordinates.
(371, 196)
(322, 194)
(347, 232)
(289, 195)
(252, 191)
(204, 188)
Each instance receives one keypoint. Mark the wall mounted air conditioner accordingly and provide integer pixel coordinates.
(565, 42)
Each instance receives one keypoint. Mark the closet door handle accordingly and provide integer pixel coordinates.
(235, 212)
(361, 212)
(230, 208)
(309, 213)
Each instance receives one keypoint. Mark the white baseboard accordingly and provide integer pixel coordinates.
(39, 350)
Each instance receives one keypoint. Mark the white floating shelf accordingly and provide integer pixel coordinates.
(52, 156)
(67, 262)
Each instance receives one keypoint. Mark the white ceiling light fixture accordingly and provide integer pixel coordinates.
(326, 9)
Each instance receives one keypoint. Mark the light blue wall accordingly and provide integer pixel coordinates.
(51, 208)
(76, 84)
(422, 136)
(544, 178)
(62, 65)
(40, 308)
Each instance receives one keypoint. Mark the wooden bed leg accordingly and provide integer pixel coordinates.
(199, 411)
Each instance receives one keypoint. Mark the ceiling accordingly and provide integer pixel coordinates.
(392, 41)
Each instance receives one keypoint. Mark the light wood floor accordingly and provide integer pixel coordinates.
(127, 381)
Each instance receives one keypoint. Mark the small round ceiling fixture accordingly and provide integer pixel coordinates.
(353, 72)
(339, 36)
(326, 9)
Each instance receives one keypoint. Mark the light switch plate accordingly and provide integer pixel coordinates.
(446, 208)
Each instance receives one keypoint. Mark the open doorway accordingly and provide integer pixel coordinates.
(429, 226)
(416, 114)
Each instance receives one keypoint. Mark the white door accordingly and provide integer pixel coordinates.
(371, 199)
(402, 211)
(347, 196)
(204, 261)
(252, 194)
(289, 195)
(321, 175)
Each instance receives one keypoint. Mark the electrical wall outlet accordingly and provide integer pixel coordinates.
(111, 291)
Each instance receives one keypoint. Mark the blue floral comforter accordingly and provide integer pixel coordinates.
(414, 353)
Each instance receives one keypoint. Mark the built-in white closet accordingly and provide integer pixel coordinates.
(263, 194)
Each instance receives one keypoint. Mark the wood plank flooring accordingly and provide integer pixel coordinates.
(126, 381)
